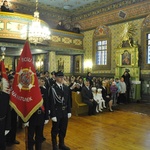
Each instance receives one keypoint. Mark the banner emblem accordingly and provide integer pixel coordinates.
(25, 79)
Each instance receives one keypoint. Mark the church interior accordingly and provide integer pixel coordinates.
(104, 37)
(124, 24)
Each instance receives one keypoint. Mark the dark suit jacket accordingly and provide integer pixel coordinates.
(36, 118)
(45, 101)
(57, 104)
(104, 94)
(86, 94)
(52, 81)
(5, 114)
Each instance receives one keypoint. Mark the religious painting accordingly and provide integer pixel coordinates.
(77, 66)
(61, 65)
(126, 58)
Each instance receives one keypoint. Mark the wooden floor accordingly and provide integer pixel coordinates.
(118, 130)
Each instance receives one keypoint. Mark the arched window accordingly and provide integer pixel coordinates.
(145, 41)
(101, 49)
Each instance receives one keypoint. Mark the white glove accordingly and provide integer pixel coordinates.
(26, 124)
(54, 119)
(46, 121)
(6, 132)
(49, 112)
(69, 115)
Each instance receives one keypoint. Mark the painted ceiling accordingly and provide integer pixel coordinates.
(73, 6)
(52, 11)
(67, 4)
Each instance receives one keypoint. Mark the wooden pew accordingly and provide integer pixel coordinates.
(78, 107)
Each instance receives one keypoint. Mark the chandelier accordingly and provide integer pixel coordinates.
(36, 32)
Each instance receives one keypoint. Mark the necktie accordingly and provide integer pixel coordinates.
(61, 87)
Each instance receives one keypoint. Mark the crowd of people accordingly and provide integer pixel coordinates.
(97, 93)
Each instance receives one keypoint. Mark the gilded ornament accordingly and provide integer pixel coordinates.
(129, 30)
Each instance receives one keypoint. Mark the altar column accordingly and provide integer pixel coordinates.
(52, 61)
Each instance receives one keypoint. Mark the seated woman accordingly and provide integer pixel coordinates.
(106, 97)
(5, 7)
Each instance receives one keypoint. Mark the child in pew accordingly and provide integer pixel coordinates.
(94, 91)
(98, 98)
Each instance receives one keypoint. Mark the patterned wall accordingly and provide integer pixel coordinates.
(88, 47)
(8, 62)
(116, 36)
(52, 61)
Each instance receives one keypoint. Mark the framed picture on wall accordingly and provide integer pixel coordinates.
(77, 66)
(126, 58)
(61, 65)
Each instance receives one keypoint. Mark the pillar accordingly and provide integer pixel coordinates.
(52, 61)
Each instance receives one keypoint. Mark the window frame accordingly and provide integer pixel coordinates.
(108, 65)
(144, 64)
(147, 47)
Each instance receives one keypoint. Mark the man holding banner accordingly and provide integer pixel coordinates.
(26, 97)
(60, 111)
(4, 106)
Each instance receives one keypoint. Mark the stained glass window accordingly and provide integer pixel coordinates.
(101, 52)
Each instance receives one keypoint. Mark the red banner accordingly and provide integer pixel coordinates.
(25, 97)
(5, 84)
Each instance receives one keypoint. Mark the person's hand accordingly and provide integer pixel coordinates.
(91, 100)
(26, 124)
(6, 132)
(46, 121)
(69, 115)
(54, 119)
(49, 112)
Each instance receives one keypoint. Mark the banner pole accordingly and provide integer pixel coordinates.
(26, 138)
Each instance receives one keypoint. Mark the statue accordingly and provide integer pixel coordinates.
(127, 35)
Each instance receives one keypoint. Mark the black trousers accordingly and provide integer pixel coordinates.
(11, 136)
(122, 98)
(59, 128)
(37, 132)
(2, 134)
(92, 107)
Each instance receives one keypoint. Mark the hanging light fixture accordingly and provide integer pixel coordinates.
(36, 32)
(3, 52)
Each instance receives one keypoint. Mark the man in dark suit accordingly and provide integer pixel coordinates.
(126, 77)
(60, 111)
(47, 79)
(87, 97)
(11, 136)
(5, 119)
(52, 79)
(37, 120)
